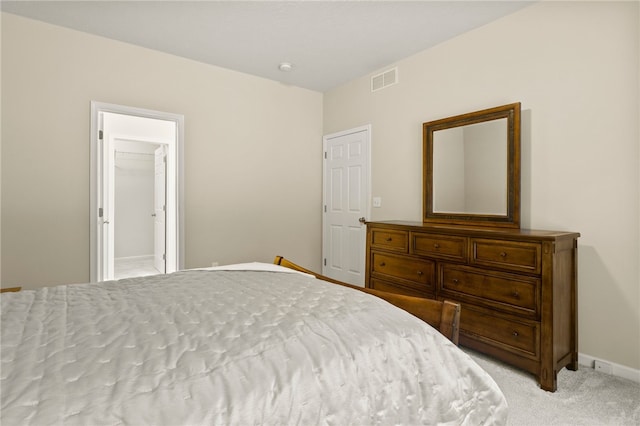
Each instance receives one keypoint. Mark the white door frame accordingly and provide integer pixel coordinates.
(367, 192)
(159, 212)
(95, 242)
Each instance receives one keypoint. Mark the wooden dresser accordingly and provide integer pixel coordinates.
(517, 287)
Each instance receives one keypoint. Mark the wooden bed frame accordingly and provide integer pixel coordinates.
(443, 316)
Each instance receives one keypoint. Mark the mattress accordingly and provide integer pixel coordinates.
(232, 347)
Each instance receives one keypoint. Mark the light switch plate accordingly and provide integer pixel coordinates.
(377, 202)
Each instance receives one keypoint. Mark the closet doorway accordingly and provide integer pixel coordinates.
(136, 192)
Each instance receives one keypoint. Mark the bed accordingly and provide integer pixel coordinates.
(241, 345)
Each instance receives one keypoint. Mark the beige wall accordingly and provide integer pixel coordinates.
(0, 153)
(574, 67)
(253, 169)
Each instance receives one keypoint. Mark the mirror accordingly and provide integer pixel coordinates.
(471, 167)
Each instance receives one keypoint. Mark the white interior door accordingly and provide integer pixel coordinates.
(346, 194)
(159, 210)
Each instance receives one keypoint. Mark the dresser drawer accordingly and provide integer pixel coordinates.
(508, 292)
(439, 246)
(405, 268)
(406, 288)
(390, 240)
(514, 335)
(511, 255)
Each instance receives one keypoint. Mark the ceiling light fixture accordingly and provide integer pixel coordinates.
(285, 66)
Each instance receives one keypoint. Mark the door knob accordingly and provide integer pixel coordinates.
(362, 220)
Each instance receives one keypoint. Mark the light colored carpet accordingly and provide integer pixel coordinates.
(584, 397)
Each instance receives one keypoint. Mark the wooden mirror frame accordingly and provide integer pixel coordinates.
(512, 218)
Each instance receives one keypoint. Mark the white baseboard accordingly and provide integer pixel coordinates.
(616, 369)
(143, 257)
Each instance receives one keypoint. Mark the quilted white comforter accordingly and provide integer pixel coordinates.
(230, 347)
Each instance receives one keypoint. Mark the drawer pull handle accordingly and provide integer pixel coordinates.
(436, 246)
(420, 273)
(389, 239)
(455, 281)
(515, 334)
(503, 254)
(516, 294)
(383, 264)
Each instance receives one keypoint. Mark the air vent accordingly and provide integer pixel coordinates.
(384, 79)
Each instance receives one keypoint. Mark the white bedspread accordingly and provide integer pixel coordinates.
(230, 347)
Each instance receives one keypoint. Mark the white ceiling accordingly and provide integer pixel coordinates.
(328, 42)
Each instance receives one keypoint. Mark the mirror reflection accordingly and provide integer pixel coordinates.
(469, 174)
(471, 168)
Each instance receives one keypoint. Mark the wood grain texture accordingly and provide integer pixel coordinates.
(517, 287)
(444, 316)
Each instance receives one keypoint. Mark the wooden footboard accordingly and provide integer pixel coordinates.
(443, 316)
